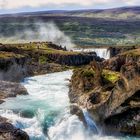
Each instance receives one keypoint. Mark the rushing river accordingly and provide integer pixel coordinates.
(44, 113)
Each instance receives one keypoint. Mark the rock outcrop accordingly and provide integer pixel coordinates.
(11, 89)
(21, 60)
(12, 66)
(110, 91)
(9, 132)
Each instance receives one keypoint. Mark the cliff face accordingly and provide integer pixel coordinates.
(20, 60)
(13, 68)
(110, 92)
(74, 59)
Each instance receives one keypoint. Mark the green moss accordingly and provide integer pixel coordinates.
(110, 76)
(42, 60)
(88, 73)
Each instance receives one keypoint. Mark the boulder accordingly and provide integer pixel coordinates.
(11, 89)
(9, 132)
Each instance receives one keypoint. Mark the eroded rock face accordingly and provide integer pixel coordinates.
(13, 69)
(110, 96)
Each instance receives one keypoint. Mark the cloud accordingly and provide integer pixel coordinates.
(17, 4)
(10, 4)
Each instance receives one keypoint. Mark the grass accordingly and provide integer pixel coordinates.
(43, 48)
(135, 52)
(83, 31)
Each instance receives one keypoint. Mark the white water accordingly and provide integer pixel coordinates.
(45, 111)
(90, 123)
(101, 52)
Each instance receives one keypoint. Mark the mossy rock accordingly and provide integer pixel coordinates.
(42, 60)
(110, 76)
(88, 73)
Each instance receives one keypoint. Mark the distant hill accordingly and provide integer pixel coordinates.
(91, 27)
(114, 13)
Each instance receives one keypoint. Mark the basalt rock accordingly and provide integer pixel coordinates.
(11, 89)
(13, 68)
(73, 59)
(110, 91)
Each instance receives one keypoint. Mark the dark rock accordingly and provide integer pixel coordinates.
(9, 132)
(13, 69)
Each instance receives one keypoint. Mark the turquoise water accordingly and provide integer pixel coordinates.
(44, 113)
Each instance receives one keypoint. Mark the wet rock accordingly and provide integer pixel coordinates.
(9, 132)
(11, 89)
(75, 110)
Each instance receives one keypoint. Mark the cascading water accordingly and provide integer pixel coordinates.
(45, 115)
(101, 52)
(90, 122)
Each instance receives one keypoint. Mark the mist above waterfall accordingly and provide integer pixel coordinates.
(40, 32)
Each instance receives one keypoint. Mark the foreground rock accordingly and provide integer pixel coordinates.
(11, 89)
(9, 132)
(111, 95)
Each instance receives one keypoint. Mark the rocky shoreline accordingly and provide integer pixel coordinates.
(110, 91)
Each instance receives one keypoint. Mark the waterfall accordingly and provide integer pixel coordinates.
(101, 52)
(90, 122)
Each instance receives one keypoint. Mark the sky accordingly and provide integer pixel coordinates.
(16, 6)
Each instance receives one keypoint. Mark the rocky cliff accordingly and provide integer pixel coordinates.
(110, 91)
(12, 66)
(21, 60)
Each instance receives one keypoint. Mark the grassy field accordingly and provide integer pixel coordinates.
(84, 31)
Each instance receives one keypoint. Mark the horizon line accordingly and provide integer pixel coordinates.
(78, 9)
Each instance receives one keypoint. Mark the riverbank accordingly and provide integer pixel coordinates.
(110, 92)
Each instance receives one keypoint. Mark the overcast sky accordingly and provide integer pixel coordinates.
(14, 6)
